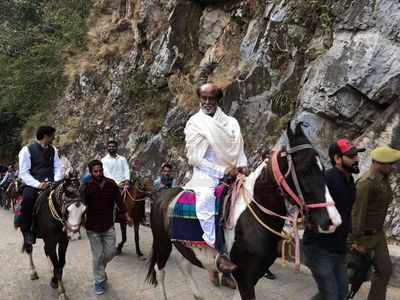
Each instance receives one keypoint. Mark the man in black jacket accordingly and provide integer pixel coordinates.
(39, 164)
(325, 253)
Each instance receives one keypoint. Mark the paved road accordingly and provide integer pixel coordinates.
(126, 274)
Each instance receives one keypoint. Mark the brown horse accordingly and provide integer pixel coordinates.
(134, 198)
(252, 239)
(13, 192)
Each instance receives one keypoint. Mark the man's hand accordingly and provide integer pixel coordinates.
(244, 170)
(232, 172)
(124, 183)
(43, 185)
(359, 248)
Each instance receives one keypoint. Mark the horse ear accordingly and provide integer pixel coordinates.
(289, 131)
(299, 129)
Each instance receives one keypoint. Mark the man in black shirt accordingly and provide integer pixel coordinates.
(325, 253)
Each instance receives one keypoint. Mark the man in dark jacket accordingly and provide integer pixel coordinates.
(325, 253)
(39, 165)
(101, 194)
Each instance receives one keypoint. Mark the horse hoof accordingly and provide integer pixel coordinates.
(228, 282)
(62, 297)
(54, 284)
(118, 251)
(139, 254)
(198, 297)
(34, 276)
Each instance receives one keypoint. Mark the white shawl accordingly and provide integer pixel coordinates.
(221, 132)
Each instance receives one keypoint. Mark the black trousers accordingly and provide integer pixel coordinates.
(29, 195)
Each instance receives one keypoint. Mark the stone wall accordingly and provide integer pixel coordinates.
(332, 64)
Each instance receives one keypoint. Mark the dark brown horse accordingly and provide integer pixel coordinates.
(134, 198)
(58, 215)
(13, 192)
(251, 243)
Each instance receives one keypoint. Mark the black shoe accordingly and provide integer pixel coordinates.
(269, 275)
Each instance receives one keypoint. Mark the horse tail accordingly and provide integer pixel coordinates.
(151, 276)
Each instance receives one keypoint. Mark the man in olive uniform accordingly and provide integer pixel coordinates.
(374, 195)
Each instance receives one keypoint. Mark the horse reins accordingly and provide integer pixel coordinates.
(284, 187)
(53, 210)
(281, 179)
(125, 193)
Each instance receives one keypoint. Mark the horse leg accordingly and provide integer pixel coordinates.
(214, 278)
(123, 234)
(186, 268)
(62, 249)
(161, 251)
(51, 253)
(34, 274)
(245, 291)
(136, 228)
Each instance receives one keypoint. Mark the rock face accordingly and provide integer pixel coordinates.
(335, 65)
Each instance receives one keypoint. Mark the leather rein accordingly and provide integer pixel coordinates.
(127, 195)
(281, 179)
(288, 237)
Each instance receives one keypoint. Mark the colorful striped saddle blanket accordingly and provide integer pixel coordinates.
(185, 227)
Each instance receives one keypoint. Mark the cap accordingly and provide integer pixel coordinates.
(385, 154)
(343, 147)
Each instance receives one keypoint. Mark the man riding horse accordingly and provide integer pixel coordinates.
(214, 147)
(39, 165)
(115, 165)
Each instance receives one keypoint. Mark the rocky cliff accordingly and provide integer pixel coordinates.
(334, 65)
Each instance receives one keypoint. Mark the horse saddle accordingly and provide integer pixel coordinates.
(184, 224)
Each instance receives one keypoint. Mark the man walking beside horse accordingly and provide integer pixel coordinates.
(39, 165)
(101, 194)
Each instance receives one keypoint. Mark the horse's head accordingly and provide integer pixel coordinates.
(142, 187)
(72, 208)
(307, 179)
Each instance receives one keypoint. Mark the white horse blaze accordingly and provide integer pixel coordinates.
(75, 213)
(333, 213)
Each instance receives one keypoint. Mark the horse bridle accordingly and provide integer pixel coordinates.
(281, 179)
(59, 195)
(125, 193)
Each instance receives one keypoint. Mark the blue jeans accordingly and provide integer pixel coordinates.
(329, 271)
(103, 249)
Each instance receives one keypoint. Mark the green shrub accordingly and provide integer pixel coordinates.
(36, 36)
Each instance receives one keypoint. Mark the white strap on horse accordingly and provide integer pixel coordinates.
(291, 237)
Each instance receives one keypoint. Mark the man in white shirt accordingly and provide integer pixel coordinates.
(214, 147)
(116, 166)
(39, 164)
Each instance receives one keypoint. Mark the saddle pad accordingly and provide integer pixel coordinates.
(185, 227)
(185, 205)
